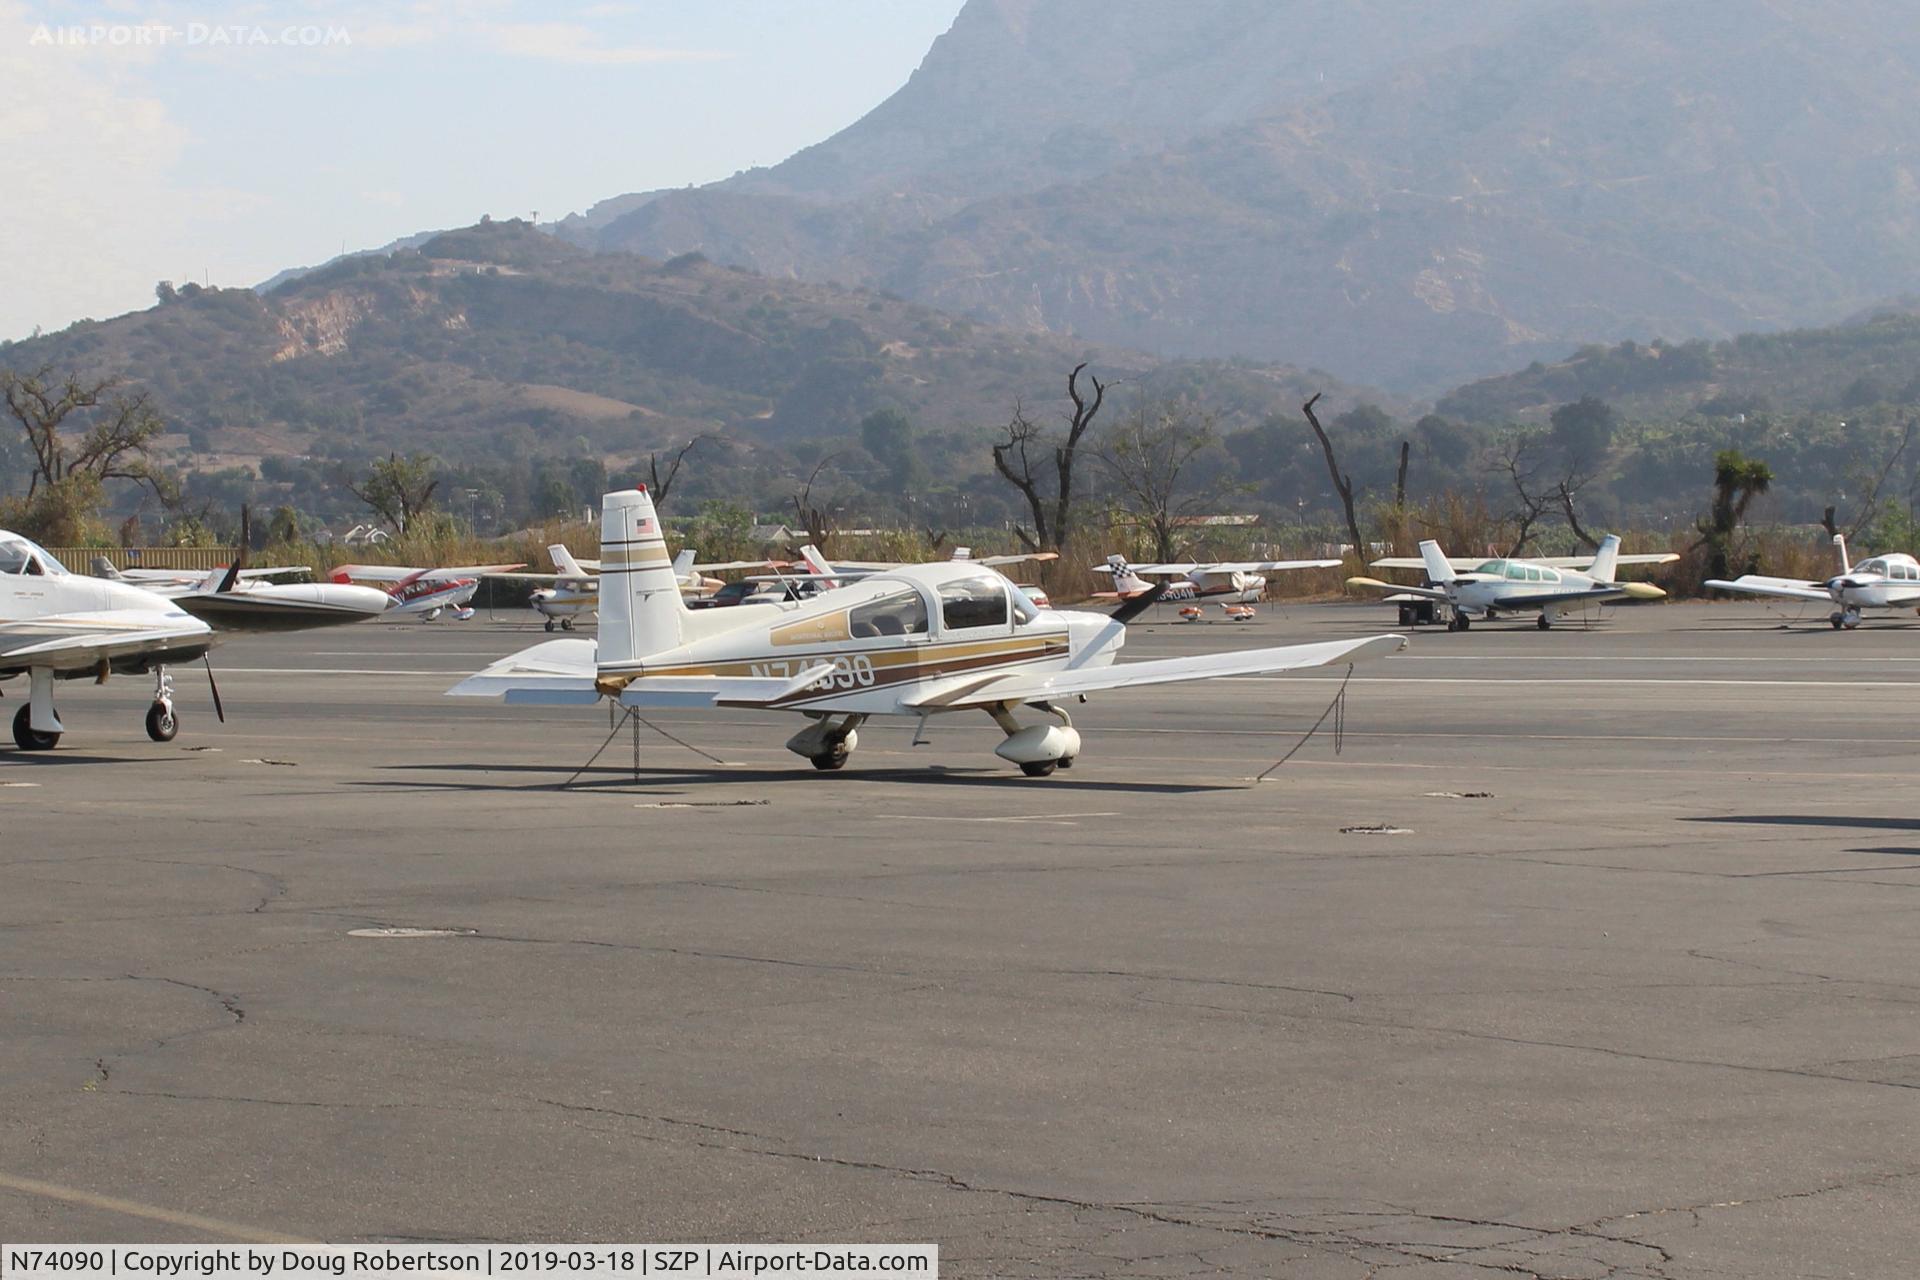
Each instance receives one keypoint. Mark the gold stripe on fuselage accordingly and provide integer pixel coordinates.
(894, 664)
(635, 557)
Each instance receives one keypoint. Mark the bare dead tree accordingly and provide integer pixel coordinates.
(113, 445)
(1870, 502)
(1148, 458)
(1014, 459)
(1568, 489)
(818, 520)
(1517, 461)
(1342, 483)
(660, 485)
(1400, 477)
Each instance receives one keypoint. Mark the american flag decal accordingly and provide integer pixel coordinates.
(643, 525)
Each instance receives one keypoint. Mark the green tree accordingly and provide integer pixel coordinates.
(1583, 431)
(888, 435)
(1737, 481)
(399, 490)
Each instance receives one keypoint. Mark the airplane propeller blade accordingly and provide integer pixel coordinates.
(1140, 604)
(219, 710)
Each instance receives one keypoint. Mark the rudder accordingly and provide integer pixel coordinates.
(641, 612)
(1606, 566)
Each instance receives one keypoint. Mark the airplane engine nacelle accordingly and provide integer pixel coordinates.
(1040, 743)
(818, 737)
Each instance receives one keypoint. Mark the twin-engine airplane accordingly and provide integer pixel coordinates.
(1493, 587)
(916, 641)
(56, 625)
(232, 597)
(1880, 582)
(1234, 586)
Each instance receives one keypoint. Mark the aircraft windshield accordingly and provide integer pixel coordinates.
(1493, 568)
(17, 555)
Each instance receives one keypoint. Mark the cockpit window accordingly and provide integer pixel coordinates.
(1872, 568)
(973, 602)
(898, 613)
(19, 556)
(1492, 568)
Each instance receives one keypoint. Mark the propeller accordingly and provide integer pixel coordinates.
(1140, 604)
(219, 710)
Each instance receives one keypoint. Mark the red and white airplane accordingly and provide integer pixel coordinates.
(425, 593)
(1236, 586)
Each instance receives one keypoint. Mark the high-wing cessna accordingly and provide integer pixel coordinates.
(915, 641)
(1236, 587)
(234, 598)
(424, 593)
(56, 625)
(1879, 582)
(1494, 587)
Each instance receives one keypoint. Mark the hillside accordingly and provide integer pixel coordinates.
(1412, 200)
(498, 339)
(1870, 362)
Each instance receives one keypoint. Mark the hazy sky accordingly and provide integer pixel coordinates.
(224, 142)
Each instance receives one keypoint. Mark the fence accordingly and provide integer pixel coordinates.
(80, 559)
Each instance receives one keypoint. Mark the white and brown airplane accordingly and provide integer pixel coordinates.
(1878, 582)
(1491, 588)
(917, 641)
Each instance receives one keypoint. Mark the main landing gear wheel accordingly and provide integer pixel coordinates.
(1546, 623)
(566, 624)
(834, 758)
(1040, 768)
(549, 624)
(26, 737)
(162, 724)
(1459, 622)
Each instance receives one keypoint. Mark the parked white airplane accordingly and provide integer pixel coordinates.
(839, 572)
(234, 598)
(56, 625)
(916, 641)
(1494, 587)
(1880, 582)
(1235, 586)
(576, 583)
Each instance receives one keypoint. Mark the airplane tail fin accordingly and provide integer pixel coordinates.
(1438, 569)
(1125, 580)
(1840, 549)
(1606, 561)
(641, 612)
(104, 568)
(817, 564)
(683, 564)
(564, 562)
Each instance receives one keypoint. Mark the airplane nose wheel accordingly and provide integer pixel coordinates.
(566, 624)
(162, 724)
(26, 737)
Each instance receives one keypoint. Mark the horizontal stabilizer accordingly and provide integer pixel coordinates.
(1374, 584)
(1754, 584)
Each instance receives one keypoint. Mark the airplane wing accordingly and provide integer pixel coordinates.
(76, 641)
(1586, 562)
(1271, 566)
(402, 573)
(1394, 588)
(1024, 558)
(1540, 599)
(1755, 584)
(969, 691)
(1460, 563)
(718, 566)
